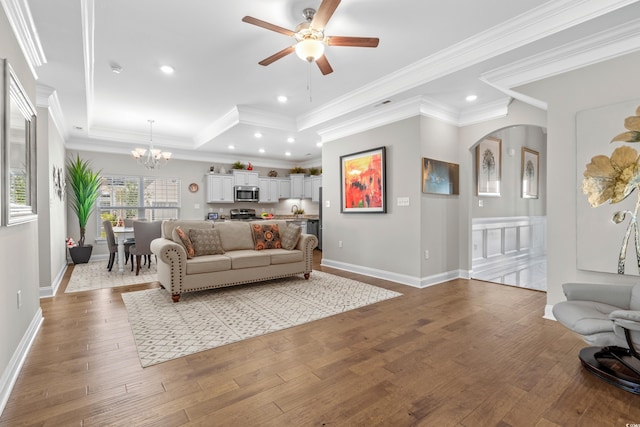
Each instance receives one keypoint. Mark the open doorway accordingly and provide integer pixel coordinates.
(508, 214)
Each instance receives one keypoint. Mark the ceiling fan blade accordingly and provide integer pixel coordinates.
(324, 13)
(267, 25)
(324, 65)
(273, 58)
(352, 41)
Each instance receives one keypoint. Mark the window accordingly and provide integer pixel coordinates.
(138, 197)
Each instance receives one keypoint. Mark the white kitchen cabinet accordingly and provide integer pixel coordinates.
(284, 185)
(269, 190)
(220, 188)
(297, 185)
(244, 177)
(307, 187)
(316, 183)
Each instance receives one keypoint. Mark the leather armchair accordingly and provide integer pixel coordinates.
(608, 318)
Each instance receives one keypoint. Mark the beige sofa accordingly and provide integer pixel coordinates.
(240, 263)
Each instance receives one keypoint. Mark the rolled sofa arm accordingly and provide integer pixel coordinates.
(172, 263)
(307, 243)
(617, 295)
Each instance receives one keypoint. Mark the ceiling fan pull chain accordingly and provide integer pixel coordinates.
(309, 81)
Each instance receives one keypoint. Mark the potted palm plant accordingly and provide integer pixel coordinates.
(85, 189)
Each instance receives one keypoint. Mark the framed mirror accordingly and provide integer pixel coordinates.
(19, 144)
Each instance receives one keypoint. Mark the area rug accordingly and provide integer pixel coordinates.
(94, 275)
(165, 330)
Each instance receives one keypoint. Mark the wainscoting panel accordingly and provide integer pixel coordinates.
(510, 250)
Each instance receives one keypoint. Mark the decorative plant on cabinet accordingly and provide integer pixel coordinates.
(85, 189)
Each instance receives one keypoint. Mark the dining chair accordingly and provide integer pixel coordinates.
(111, 243)
(144, 232)
(128, 242)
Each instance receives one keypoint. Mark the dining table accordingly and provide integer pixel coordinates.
(121, 233)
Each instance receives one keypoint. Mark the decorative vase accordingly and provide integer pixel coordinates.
(81, 254)
(222, 170)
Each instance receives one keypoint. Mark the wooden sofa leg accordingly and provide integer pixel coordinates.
(175, 297)
(306, 276)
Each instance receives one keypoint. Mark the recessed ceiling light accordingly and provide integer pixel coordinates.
(231, 147)
(318, 144)
(288, 153)
(257, 135)
(282, 98)
(471, 98)
(167, 69)
(261, 150)
(291, 139)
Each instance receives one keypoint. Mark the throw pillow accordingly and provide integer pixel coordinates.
(266, 236)
(206, 241)
(290, 236)
(179, 236)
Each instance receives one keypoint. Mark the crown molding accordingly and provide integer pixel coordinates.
(47, 97)
(87, 8)
(411, 107)
(482, 113)
(543, 21)
(19, 17)
(263, 118)
(602, 46)
(218, 127)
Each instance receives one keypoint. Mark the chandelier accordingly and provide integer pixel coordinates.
(151, 158)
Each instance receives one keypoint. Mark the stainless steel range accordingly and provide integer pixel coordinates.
(243, 214)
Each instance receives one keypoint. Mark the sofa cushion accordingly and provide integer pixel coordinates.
(208, 264)
(284, 256)
(290, 236)
(235, 235)
(186, 224)
(179, 236)
(206, 242)
(266, 236)
(248, 258)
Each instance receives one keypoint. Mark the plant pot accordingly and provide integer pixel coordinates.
(81, 254)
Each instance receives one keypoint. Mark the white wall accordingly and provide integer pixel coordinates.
(598, 85)
(18, 255)
(375, 243)
(439, 214)
(51, 231)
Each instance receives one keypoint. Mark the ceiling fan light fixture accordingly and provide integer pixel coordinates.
(310, 49)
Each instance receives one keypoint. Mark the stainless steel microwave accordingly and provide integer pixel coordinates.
(246, 193)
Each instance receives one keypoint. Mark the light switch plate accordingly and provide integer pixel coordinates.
(403, 201)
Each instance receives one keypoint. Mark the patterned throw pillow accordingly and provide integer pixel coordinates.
(290, 236)
(266, 236)
(179, 236)
(206, 241)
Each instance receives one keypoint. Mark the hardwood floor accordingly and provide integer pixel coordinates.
(462, 353)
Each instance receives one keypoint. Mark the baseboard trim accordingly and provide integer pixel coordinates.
(416, 282)
(50, 291)
(10, 374)
(548, 312)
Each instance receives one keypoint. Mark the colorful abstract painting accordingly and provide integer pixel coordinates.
(363, 182)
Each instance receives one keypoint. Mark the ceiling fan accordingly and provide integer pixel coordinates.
(310, 37)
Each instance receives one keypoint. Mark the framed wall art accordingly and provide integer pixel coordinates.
(530, 171)
(440, 177)
(489, 166)
(363, 182)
